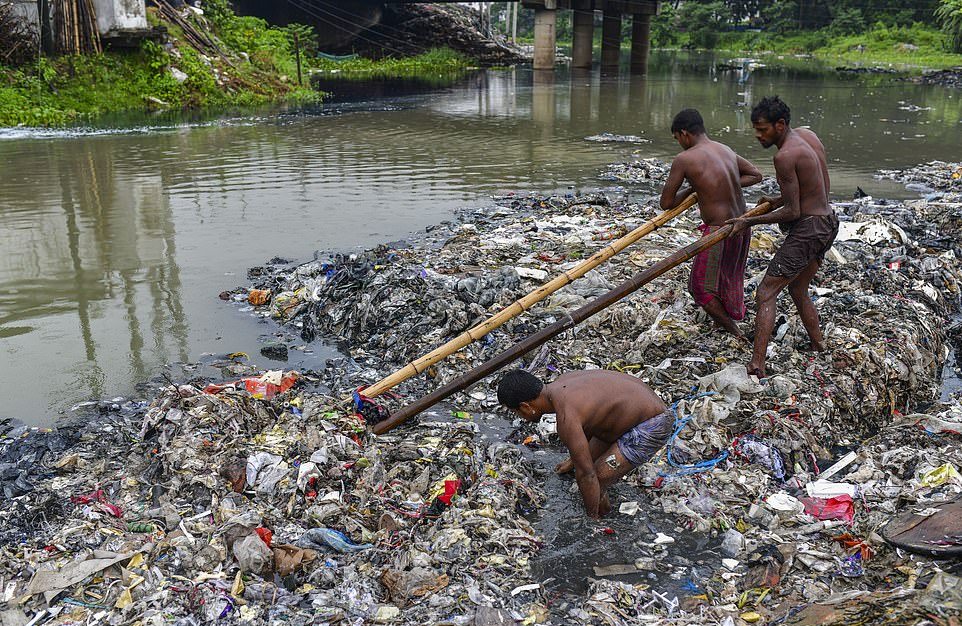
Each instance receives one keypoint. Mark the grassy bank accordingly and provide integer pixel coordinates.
(256, 65)
(916, 47)
(441, 61)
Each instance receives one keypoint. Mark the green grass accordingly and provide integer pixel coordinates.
(75, 88)
(878, 46)
(431, 63)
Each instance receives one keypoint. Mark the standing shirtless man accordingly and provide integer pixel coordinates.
(717, 175)
(812, 225)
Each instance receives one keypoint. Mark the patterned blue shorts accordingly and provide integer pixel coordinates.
(641, 443)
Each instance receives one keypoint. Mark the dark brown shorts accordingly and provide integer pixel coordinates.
(809, 239)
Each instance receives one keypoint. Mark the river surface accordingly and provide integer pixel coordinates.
(117, 239)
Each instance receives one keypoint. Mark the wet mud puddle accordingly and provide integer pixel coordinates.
(633, 549)
(952, 370)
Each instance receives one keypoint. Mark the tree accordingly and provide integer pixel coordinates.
(949, 14)
(704, 22)
(664, 27)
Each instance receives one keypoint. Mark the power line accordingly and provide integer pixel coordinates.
(311, 9)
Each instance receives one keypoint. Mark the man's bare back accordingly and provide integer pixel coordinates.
(610, 422)
(716, 174)
(800, 164)
(601, 403)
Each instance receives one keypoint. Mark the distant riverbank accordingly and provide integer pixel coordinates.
(249, 63)
(913, 48)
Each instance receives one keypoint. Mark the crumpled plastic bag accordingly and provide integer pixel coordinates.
(253, 555)
(840, 507)
(419, 581)
(730, 383)
(323, 538)
(265, 470)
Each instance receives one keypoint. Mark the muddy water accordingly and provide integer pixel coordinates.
(117, 239)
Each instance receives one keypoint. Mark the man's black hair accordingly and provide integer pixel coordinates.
(771, 109)
(690, 120)
(518, 386)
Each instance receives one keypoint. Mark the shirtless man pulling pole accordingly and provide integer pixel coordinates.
(717, 175)
(812, 225)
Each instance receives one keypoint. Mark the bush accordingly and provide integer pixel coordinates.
(949, 15)
(847, 22)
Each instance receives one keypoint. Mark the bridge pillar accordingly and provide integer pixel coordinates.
(640, 42)
(611, 39)
(583, 27)
(544, 38)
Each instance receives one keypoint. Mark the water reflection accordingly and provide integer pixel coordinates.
(116, 243)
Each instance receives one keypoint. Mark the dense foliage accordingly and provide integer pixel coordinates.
(258, 67)
(884, 31)
(949, 15)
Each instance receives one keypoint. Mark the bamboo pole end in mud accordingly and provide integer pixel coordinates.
(569, 321)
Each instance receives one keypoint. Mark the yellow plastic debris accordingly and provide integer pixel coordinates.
(237, 589)
(124, 600)
(751, 617)
(941, 475)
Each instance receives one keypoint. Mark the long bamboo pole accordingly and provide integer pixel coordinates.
(569, 321)
(501, 317)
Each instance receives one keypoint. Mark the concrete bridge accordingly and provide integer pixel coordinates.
(367, 12)
(545, 16)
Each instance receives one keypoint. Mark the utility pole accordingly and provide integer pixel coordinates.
(514, 22)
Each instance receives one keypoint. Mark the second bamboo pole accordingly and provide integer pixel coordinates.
(569, 321)
(504, 315)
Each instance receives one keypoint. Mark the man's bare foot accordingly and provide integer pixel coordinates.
(564, 467)
(755, 369)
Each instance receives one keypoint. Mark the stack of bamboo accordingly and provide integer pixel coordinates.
(75, 27)
(196, 37)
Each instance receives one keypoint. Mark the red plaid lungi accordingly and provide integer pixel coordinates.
(719, 272)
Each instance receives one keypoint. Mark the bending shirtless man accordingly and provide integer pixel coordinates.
(611, 423)
(807, 216)
(717, 175)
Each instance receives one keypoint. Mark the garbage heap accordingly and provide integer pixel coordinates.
(888, 285)
(749, 454)
(231, 507)
(259, 502)
(417, 28)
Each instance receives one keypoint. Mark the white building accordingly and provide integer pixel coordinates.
(118, 17)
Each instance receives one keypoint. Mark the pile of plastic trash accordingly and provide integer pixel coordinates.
(259, 501)
(248, 504)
